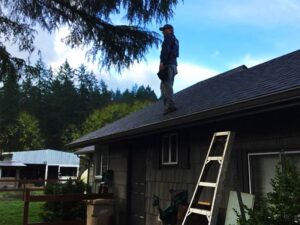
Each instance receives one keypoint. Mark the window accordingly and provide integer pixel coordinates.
(262, 167)
(8, 172)
(68, 171)
(101, 161)
(170, 149)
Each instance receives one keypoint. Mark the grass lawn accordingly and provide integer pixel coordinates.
(11, 212)
(11, 209)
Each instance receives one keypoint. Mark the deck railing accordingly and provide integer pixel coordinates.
(27, 198)
(58, 198)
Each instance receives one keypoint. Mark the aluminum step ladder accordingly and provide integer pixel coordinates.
(205, 200)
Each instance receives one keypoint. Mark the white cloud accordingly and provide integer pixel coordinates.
(143, 73)
(249, 61)
(75, 56)
(43, 42)
(189, 74)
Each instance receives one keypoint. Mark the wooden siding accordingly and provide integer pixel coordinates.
(265, 132)
(118, 155)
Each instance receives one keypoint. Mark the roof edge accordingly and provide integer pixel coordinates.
(251, 104)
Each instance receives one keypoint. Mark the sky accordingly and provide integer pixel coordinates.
(214, 35)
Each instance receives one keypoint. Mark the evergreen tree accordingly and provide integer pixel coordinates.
(62, 105)
(88, 92)
(10, 99)
(117, 96)
(106, 95)
(43, 95)
(9, 109)
(44, 79)
(128, 96)
(147, 93)
(58, 105)
(90, 25)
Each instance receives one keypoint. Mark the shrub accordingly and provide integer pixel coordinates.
(64, 211)
(282, 205)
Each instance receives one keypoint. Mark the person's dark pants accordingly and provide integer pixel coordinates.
(166, 87)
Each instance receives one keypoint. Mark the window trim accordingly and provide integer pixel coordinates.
(169, 162)
(262, 154)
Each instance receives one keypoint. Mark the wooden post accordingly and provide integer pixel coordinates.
(46, 174)
(26, 206)
(17, 178)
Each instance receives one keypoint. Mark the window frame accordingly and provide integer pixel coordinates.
(102, 152)
(263, 154)
(169, 161)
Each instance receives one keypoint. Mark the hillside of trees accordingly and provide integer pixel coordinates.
(46, 108)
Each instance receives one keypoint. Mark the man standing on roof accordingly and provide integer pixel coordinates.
(168, 67)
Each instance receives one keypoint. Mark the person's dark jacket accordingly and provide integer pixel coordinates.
(169, 50)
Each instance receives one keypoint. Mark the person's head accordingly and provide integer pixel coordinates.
(167, 29)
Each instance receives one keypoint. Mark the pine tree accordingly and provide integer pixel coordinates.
(9, 110)
(63, 105)
(90, 26)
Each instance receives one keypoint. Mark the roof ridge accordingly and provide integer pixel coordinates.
(276, 59)
(243, 84)
(232, 71)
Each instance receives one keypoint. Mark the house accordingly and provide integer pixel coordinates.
(151, 153)
(39, 164)
(87, 160)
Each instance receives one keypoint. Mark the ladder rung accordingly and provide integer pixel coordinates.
(204, 203)
(207, 184)
(224, 133)
(214, 158)
(200, 211)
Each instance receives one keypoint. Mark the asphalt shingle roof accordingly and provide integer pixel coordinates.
(232, 87)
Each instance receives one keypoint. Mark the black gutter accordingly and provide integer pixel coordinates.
(282, 99)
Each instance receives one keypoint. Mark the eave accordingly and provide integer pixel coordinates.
(271, 102)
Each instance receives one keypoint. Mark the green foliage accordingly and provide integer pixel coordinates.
(110, 113)
(90, 25)
(7, 137)
(9, 100)
(284, 201)
(71, 133)
(282, 205)
(24, 134)
(64, 211)
(29, 132)
(57, 104)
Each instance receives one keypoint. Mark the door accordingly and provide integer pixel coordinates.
(137, 186)
(52, 172)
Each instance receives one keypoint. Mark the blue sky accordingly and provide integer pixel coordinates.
(214, 35)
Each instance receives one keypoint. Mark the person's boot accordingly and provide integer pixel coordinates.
(169, 110)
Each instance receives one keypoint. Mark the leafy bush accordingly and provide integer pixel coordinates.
(64, 211)
(282, 205)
